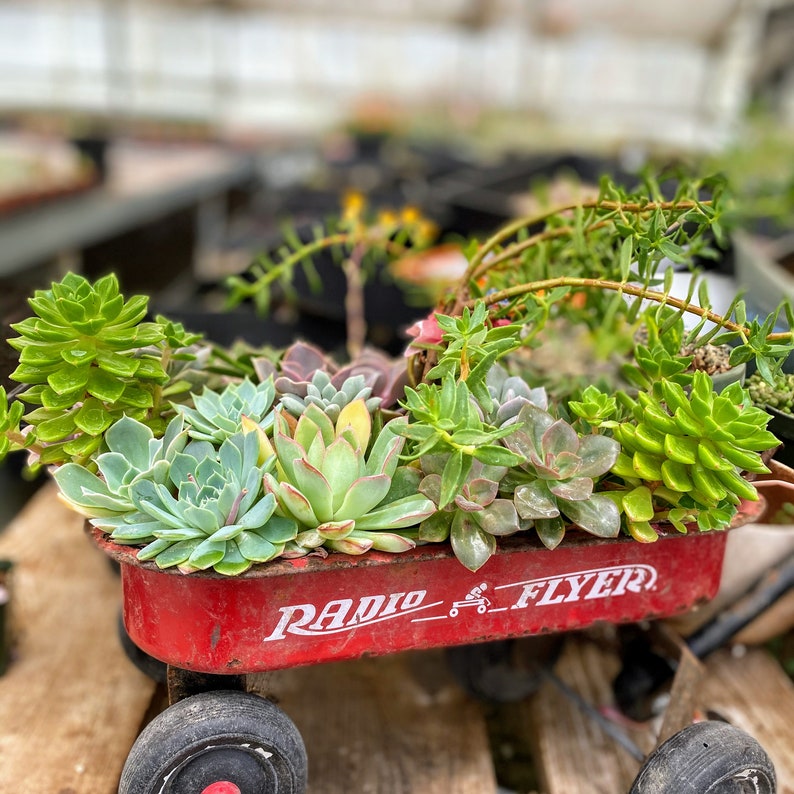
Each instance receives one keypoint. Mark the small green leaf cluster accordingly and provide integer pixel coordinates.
(687, 451)
(445, 419)
(594, 407)
(471, 348)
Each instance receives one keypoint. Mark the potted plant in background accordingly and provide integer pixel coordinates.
(251, 464)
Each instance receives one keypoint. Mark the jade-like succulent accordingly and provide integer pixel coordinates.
(556, 480)
(345, 497)
(86, 359)
(217, 415)
(211, 513)
(687, 451)
(133, 453)
(476, 516)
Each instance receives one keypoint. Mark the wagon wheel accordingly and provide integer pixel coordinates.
(147, 664)
(219, 742)
(504, 671)
(707, 758)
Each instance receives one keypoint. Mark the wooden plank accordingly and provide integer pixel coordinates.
(571, 751)
(754, 693)
(391, 725)
(71, 703)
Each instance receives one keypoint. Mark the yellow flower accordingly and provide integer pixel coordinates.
(353, 204)
(410, 215)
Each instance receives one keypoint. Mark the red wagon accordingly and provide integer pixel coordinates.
(212, 630)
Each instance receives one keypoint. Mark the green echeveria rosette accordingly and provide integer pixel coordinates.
(215, 416)
(78, 357)
(345, 498)
(687, 452)
(133, 453)
(211, 513)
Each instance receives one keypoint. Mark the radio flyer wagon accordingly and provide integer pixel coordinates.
(212, 631)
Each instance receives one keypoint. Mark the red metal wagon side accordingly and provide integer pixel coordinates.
(289, 613)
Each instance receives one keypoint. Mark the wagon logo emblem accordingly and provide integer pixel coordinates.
(346, 614)
(474, 598)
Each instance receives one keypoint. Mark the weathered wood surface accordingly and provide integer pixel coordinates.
(753, 692)
(72, 704)
(70, 699)
(572, 753)
(386, 725)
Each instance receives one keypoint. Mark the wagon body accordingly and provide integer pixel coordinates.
(290, 613)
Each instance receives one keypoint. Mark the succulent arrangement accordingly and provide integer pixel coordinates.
(222, 459)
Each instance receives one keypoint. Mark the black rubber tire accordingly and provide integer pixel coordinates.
(217, 736)
(147, 664)
(707, 758)
(504, 671)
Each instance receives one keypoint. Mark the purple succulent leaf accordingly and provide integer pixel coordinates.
(499, 518)
(559, 437)
(598, 453)
(528, 441)
(264, 368)
(537, 422)
(534, 500)
(546, 470)
(575, 490)
(598, 515)
(291, 384)
(306, 359)
(467, 505)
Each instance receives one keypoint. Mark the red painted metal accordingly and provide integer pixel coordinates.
(296, 612)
